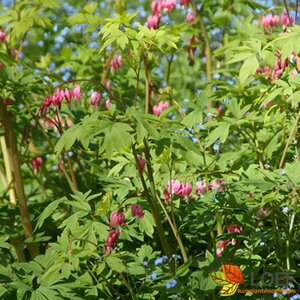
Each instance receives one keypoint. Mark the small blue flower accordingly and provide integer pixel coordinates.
(177, 256)
(170, 284)
(282, 172)
(153, 276)
(262, 244)
(40, 43)
(164, 257)
(145, 263)
(210, 115)
(275, 295)
(285, 210)
(158, 261)
(216, 145)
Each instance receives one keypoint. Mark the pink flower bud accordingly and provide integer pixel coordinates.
(137, 211)
(294, 73)
(142, 163)
(184, 2)
(76, 92)
(190, 17)
(2, 35)
(234, 228)
(166, 197)
(108, 85)
(261, 213)
(95, 98)
(107, 103)
(8, 101)
(1, 65)
(116, 219)
(36, 163)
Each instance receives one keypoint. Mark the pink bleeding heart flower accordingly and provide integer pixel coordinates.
(111, 240)
(174, 187)
(217, 185)
(95, 98)
(107, 103)
(157, 110)
(234, 229)
(68, 95)
(116, 63)
(153, 21)
(274, 20)
(76, 92)
(220, 247)
(168, 5)
(186, 189)
(266, 20)
(137, 211)
(155, 7)
(2, 35)
(116, 219)
(190, 17)
(285, 19)
(202, 186)
(161, 106)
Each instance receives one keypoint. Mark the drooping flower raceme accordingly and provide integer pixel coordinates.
(221, 244)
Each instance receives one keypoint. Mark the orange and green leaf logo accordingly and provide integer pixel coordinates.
(229, 278)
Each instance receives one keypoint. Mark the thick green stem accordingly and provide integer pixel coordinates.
(208, 51)
(8, 170)
(154, 209)
(17, 176)
(289, 141)
(147, 82)
(137, 85)
(259, 152)
(169, 70)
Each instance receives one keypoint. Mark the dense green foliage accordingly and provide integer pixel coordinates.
(136, 161)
